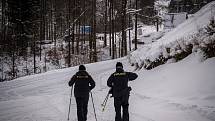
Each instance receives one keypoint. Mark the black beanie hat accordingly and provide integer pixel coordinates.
(119, 65)
(82, 68)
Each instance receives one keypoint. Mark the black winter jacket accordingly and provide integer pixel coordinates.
(119, 82)
(83, 83)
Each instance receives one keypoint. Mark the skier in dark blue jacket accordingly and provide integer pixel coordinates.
(118, 81)
(84, 83)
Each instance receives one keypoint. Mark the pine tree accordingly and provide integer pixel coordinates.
(147, 10)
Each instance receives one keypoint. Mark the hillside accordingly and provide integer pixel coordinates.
(185, 38)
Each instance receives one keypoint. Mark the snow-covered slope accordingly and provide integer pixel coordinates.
(184, 31)
(183, 91)
(192, 25)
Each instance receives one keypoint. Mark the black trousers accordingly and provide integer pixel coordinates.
(82, 104)
(121, 102)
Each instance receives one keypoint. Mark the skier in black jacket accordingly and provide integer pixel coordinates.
(118, 81)
(84, 83)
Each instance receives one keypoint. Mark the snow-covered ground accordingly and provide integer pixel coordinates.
(183, 91)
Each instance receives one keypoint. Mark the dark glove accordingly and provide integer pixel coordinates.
(91, 87)
(129, 88)
(111, 91)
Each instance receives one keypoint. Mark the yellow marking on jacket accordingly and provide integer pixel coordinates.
(119, 74)
(82, 77)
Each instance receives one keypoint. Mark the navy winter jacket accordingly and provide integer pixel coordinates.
(83, 83)
(119, 82)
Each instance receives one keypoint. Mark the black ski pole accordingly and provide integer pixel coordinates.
(70, 103)
(104, 105)
(105, 100)
(93, 105)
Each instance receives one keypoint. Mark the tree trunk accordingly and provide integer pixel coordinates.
(69, 38)
(94, 32)
(123, 19)
(135, 39)
(42, 24)
(3, 21)
(73, 27)
(129, 25)
(34, 52)
(13, 59)
(105, 32)
(112, 26)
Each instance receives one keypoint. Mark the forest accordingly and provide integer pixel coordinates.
(41, 35)
(37, 35)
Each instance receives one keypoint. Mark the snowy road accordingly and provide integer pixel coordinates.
(45, 97)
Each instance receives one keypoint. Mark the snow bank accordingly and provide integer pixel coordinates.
(174, 92)
(188, 79)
